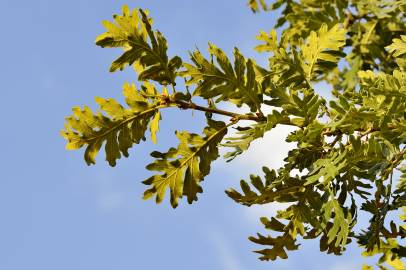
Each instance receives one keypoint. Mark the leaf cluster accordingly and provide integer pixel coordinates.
(348, 146)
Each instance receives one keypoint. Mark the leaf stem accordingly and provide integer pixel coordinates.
(173, 88)
(121, 124)
(190, 105)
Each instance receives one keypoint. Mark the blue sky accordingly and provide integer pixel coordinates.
(58, 213)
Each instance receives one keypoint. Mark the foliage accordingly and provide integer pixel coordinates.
(182, 175)
(348, 149)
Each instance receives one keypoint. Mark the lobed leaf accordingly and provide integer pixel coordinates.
(326, 169)
(321, 50)
(245, 136)
(271, 42)
(183, 168)
(119, 128)
(256, 5)
(145, 48)
(339, 231)
(236, 84)
(279, 246)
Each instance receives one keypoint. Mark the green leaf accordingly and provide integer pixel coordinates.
(155, 126)
(321, 51)
(384, 84)
(236, 84)
(119, 128)
(325, 170)
(183, 168)
(279, 246)
(380, 8)
(271, 42)
(341, 224)
(247, 135)
(276, 188)
(142, 46)
(256, 5)
(286, 68)
(273, 224)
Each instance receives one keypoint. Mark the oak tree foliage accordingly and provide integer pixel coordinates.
(350, 149)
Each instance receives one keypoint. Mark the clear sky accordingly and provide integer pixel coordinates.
(59, 214)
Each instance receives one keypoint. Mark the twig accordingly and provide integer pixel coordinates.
(190, 105)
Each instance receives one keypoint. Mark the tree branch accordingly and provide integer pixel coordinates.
(190, 105)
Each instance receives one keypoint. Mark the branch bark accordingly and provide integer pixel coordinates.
(190, 105)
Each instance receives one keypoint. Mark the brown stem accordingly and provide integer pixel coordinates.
(338, 132)
(258, 117)
(190, 105)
